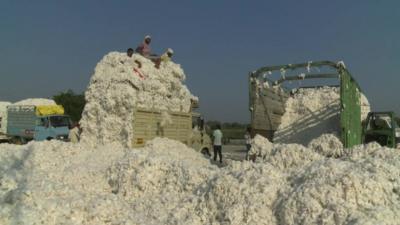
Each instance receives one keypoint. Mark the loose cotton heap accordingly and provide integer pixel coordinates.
(102, 180)
(35, 102)
(312, 112)
(328, 145)
(119, 86)
(3, 120)
(168, 183)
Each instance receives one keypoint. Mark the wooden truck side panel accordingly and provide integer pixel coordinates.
(149, 124)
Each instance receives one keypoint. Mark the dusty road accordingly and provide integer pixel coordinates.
(232, 152)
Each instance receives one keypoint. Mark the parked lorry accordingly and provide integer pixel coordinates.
(187, 128)
(381, 127)
(267, 104)
(30, 122)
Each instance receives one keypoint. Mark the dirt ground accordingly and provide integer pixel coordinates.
(232, 152)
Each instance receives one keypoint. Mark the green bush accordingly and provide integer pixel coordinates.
(73, 103)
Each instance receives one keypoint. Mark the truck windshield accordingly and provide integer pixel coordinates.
(380, 122)
(59, 121)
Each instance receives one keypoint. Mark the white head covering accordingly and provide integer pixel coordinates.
(169, 50)
(147, 37)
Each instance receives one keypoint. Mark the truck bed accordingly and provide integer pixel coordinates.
(148, 125)
(267, 104)
(21, 121)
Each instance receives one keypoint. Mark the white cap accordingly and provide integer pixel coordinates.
(147, 37)
(169, 50)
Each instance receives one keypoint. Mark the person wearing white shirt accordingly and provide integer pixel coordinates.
(247, 137)
(74, 133)
(217, 135)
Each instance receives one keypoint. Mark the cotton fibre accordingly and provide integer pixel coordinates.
(102, 181)
(122, 84)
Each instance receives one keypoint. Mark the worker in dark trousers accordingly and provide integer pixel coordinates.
(247, 138)
(217, 136)
(129, 52)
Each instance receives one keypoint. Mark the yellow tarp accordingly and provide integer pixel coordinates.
(44, 110)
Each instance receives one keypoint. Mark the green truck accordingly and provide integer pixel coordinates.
(267, 104)
(382, 128)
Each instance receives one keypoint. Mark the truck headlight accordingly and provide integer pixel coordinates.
(62, 137)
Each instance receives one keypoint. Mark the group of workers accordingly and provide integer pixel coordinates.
(145, 50)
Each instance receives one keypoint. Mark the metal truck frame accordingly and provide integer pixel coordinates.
(267, 105)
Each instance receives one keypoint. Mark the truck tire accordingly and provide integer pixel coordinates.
(49, 138)
(205, 152)
(17, 140)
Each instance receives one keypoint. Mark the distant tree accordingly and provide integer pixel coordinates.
(212, 123)
(233, 130)
(73, 103)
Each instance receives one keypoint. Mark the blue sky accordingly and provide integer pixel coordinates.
(50, 46)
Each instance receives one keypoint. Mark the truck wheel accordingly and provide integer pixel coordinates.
(17, 140)
(49, 138)
(205, 151)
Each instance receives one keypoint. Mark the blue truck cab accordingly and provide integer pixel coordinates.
(52, 127)
(27, 123)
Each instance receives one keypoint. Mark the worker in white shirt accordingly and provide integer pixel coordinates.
(217, 136)
(74, 133)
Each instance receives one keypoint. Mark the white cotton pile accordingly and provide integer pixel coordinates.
(3, 116)
(311, 112)
(36, 102)
(3, 105)
(328, 145)
(358, 191)
(57, 183)
(260, 146)
(168, 183)
(103, 181)
(365, 106)
(119, 86)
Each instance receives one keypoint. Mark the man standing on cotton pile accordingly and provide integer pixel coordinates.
(167, 56)
(144, 48)
(217, 135)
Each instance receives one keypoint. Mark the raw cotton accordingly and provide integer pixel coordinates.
(328, 145)
(58, 183)
(345, 191)
(312, 112)
(168, 183)
(3, 116)
(35, 101)
(360, 186)
(122, 84)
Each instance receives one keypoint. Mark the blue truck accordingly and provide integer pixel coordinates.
(29, 122)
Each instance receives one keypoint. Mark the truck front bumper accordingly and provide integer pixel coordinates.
(62, 138)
